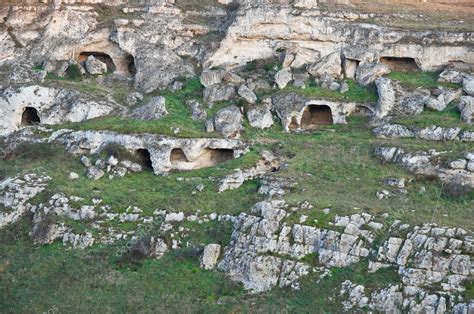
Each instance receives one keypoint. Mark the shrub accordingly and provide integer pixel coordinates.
(73, 72)
(456, 190)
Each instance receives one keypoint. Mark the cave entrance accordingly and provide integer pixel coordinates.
(144, 159)
(208, 158)
(401, 64)
(315, 115)
(130, 61)
(30, 117)
(99, 56)
(178, 155)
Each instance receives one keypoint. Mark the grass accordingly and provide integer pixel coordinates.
(449, 117)
(333, 167)
(179, 117)
(419, 79)
(36, 279)
(356, 93)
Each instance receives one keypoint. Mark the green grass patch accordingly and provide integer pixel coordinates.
(419, 79)
(356, 93)
(449, 117)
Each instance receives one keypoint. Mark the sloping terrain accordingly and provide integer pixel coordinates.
(203, 156)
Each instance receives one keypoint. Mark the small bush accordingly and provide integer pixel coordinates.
(456, 190)
(73, 72)
(31, 152)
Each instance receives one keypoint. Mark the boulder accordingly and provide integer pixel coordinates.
(153, 110)
(344, 88)
(158, 66)
(210, 256)
(133, 98)
(386, 99)
(233, 78)
(197, 110)
(212, 77)
(466, 106)
(458, 164)
(260, 117)
(330, 64)
(218, 93)
(247, 94)
(174, 217)
(436, 133)
(95, 173)
(86, 161)
(450, 76)
(440, 101)
(283, 77)
(392, 131)
(95, 66)
(228, 121)
(468, 85)
(368, 72)
(73, 176)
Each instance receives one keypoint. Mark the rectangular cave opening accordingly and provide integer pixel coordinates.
(208, 158)
(316, 115)
(401, 64)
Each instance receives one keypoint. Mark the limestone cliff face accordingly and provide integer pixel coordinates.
(157, 41)
(260, 30)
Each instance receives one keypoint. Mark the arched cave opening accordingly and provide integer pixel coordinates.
(178, 155)
(315, 115)
(401, 64)
(144, 159)
(99, 56)
(30, 117)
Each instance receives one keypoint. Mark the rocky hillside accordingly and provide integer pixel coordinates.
(236, 156)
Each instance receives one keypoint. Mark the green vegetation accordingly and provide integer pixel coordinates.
(333, 167)
(356, 93)
(449, 117)
(419, 79)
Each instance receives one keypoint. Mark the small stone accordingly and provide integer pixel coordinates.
(247, 94)
(73, 176)
(335, 86)
(177, 86)
(470, 166)
(303, 218)
(344, 88)
(210, 256)
(86, 161)
(200, 187)
(112, 160)
(458, 164)
(174, 217)
(326, 211)
(283, 77)
(94, 173)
